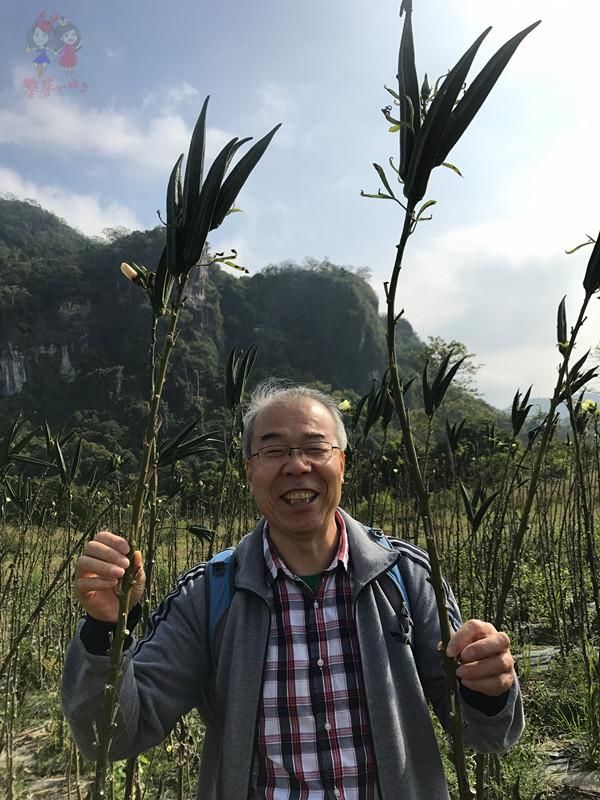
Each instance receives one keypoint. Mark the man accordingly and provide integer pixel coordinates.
(316, 692)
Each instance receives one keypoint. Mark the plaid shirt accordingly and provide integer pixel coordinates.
(313, 741)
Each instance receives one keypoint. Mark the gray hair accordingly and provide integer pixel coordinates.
(274, 391)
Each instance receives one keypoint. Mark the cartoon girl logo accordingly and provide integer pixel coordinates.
(69, 37)
(41, 40)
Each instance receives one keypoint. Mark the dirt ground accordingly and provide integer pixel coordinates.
(569, 782)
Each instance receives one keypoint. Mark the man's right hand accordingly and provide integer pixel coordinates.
(98, 574)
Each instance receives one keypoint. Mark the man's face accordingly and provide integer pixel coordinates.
(298, 498)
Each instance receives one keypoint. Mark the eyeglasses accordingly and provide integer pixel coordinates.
(313, 452)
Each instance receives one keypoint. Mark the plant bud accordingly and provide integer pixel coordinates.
(129, 272)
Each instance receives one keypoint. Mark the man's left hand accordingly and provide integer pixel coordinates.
(484, 658)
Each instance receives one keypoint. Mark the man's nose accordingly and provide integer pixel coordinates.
(296, 461)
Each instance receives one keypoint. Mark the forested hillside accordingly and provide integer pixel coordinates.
(74, 333)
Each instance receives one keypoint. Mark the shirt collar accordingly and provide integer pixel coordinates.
(274, 562)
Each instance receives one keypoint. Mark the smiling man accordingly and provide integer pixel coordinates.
(323, 675)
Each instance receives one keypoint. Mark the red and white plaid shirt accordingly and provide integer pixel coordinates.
(313, 741)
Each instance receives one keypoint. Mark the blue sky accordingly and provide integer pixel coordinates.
(489, 269)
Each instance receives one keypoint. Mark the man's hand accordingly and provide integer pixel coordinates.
(98, 574)
(484, 658)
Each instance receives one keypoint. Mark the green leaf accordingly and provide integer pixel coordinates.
(204, 534)
(427, 395)
(483, 508)
(394, 167)
(378, 196)
(76, 461)
(60, 462)
(357, 412)
(394, 94)
(194, 168)
(452, 167)
(424, 208)
(453, 433)
(579, 246)
(383, 179)
(244, 369)
(163, 286)
(9, 439)
(472, 100)
(238, 177)
(233, 265)
(426, 145)
(373, 406)
(466, 502)
(230, 369)
(38, 462)
(166, 450)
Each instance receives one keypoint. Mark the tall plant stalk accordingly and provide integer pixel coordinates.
(422, 495)
(564, 384)
(429, 124)
(193, 209)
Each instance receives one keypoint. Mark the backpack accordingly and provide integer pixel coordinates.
(220, 588)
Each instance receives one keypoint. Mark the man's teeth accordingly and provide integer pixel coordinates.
(299, 497)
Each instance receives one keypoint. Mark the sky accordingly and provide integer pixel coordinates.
(96, 147)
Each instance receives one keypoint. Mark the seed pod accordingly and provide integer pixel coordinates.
(426, 145)
(561, 327)
(173, 216)
(408, 91)
(520, 409)
(237, 178)
(591, 281)
(472, 100)
(199, 225)
(194, 167)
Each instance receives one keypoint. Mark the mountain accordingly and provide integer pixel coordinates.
(74, 334)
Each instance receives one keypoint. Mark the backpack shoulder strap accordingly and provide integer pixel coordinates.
(219, 574)
(394, 572)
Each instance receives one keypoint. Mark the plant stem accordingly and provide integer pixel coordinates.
(104, 734)
(455, 727)
(517, 540)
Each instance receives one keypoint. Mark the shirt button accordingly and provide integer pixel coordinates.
(327, 726)
(316, 604)
(320, 662)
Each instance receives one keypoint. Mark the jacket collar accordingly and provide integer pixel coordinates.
(368, 559)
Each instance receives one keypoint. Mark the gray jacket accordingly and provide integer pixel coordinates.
(169, 672)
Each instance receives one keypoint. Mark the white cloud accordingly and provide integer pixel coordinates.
(114, 55)
(63, 125)
(170, 98)
(86, 212)
(182, 93)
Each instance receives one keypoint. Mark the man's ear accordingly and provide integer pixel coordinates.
(343, 460)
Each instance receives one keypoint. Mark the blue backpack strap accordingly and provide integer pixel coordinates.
(219, 585)
(394, 572)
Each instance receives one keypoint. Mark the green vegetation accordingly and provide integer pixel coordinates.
(503, 502)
